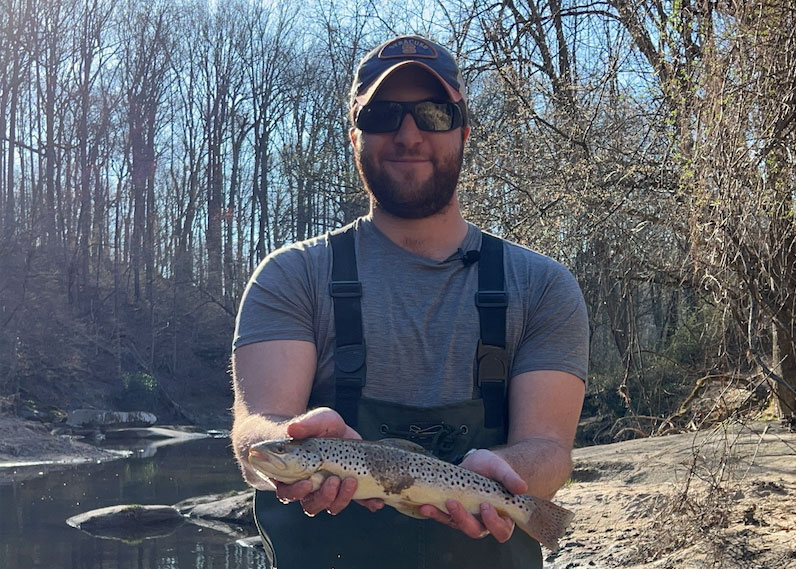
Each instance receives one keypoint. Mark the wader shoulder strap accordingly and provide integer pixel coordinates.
(349, 352)
(492, 362)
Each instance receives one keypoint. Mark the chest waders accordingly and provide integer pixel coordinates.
(357, 538)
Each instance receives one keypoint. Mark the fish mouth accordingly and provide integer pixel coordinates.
(267, 460)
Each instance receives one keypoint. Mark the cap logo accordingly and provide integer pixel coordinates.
(408, 47)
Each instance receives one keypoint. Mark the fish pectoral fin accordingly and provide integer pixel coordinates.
(317, 479)
(409, 509)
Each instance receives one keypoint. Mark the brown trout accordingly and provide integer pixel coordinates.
(405, 477)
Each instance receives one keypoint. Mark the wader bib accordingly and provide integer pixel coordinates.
(357, 538)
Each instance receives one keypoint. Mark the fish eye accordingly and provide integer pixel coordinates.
(280, 448)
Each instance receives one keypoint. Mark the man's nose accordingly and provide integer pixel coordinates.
(408, 134)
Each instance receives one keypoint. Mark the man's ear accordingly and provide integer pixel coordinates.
(465, 134)
(353, 135)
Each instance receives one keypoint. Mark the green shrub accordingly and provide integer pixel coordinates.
(139, 392)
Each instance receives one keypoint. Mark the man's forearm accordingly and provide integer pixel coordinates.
(251, 428)
(544, 464)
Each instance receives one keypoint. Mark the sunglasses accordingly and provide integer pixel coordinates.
(430, 116)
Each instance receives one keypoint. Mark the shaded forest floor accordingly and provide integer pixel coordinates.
(723, 498)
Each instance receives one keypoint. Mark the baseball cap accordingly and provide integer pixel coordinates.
(399, 52)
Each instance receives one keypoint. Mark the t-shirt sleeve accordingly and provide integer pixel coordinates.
(556, 331)
(277, 303)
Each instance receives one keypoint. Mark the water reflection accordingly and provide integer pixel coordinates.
(33, 532)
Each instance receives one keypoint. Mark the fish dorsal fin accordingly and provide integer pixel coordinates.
(404, 444)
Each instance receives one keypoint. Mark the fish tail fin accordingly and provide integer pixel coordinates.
(546, 522)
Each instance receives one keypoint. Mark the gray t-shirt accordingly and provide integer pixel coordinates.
(419, 318)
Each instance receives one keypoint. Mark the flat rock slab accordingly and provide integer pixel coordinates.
(749, 449)
(235, 508)
(152, 433)
(104, 420)
(130, 523)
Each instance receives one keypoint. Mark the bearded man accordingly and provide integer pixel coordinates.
(409, 322)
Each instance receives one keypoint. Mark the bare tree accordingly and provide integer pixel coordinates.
(14, 57)
(267, 61)
(726, 72)
(91, 131)
(144, 34)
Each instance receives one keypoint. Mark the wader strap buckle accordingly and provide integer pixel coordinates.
(491, 299)
(345, 289)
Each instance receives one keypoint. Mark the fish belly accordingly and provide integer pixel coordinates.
(409, 500)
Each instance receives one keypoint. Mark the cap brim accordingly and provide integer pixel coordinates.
(365, 96)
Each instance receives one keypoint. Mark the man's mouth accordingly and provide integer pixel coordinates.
(407, 160)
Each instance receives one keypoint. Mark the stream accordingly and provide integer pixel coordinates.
(33, 532)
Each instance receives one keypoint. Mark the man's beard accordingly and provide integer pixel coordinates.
(411, 199)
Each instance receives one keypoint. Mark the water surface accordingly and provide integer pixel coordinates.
(33, 532)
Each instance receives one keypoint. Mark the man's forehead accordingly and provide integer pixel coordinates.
(411, 80)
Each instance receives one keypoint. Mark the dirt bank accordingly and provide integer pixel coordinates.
(27, 448)
(719, 499)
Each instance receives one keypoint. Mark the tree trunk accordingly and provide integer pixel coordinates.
(138, 180)
(51, 236)
(784, 358)
(10, 222)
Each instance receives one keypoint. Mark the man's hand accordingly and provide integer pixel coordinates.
(334, 494)
(488, 464)
(320, 422)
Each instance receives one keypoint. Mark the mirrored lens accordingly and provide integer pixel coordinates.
(433, 116)
(380, 116)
